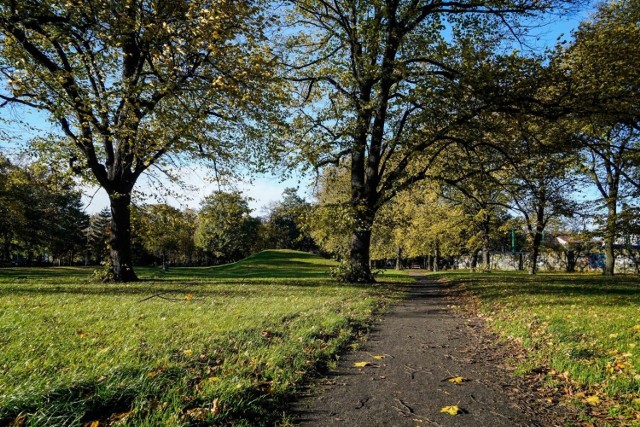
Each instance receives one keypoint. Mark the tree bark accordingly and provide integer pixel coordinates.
(571, 260)
(486, 258)
(474, 259)
(535, 251)
(359, 255)
(399, 259)
(610, 236)
(121, 269)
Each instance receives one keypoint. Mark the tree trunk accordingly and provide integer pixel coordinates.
(535, 251)
(486, 258)
(359, 256)
(121, 269)
(610, 237)
(539, 229)
(399, 259)
(436, 259)
(571, 261)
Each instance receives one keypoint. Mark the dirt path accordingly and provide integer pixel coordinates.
(424, 343)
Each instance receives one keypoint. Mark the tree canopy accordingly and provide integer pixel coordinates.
(131, 82)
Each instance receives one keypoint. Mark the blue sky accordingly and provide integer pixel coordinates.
(263, 189)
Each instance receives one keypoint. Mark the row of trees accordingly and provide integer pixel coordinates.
(43, 223)
(434, 221)
(493, 128)
(222, 230)
(396, 92)
(437, 223)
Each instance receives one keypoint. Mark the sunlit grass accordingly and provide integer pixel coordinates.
(584, 328)
(194, 345)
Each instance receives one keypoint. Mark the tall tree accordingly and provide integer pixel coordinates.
(389, 83)
(602, 77)
(607, 159)
(540, 178)
(129, 82)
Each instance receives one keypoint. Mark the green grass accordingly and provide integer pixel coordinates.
(584, 328)
(194, 346)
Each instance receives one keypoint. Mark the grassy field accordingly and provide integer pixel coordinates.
(583, 330)
(193, 346)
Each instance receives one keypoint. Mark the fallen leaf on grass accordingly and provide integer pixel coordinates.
(592, 400)
(199, 414)
(362, 364)
(19, 420)
(216, 408)
(188, 297)
(451, 410)
(118, 416)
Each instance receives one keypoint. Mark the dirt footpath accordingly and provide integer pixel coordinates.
(424, 343)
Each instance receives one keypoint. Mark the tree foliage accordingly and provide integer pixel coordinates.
(284, 225)
(389, 84)
(130, 82)
(225, 228)
(41, 215)
(166, 232)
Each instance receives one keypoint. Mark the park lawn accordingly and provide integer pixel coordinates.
(194, 346)
(583, 329)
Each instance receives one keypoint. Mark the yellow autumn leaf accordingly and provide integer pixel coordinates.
(188, 297)
(451, 410)
(456, 380)
(187, 352)
(361, 364)
(93, 424)
(592, 400)
(378, 357)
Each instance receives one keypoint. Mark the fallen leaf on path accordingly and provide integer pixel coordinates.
(451, 410)
(362, 364)
(378, 357)
(592, 400)
(457, 380)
